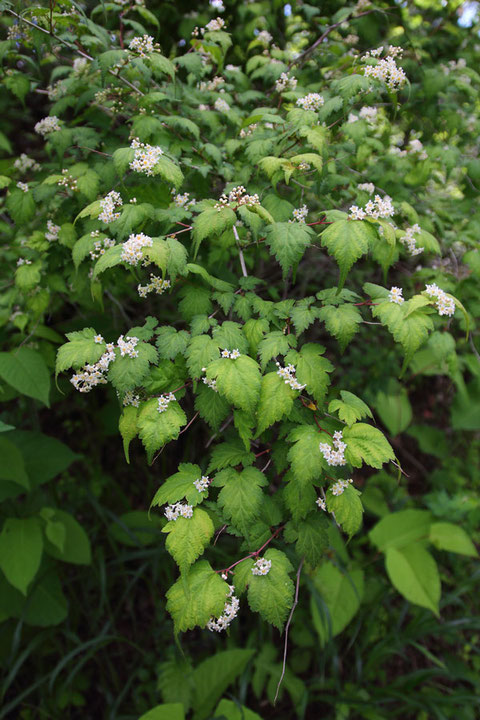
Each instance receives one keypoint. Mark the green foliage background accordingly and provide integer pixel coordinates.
(103, 603)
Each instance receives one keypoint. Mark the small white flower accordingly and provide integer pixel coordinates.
(321, 503)
(312, 101)
(47, 125)
(395, 295)
(261, 567)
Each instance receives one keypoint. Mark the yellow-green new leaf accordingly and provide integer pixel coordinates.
(188, 537)
(196, 597)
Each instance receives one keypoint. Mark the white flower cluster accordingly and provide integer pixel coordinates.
(367, 187)
(335, 455)
(221, 105)
(245, 132)
(182, 200)
(127, 346)
(366, 113)
(214, 25)
(143, 45)
(339, 487)
(211, 85)
(93, 375)
(321, 503)
(79, 65)
(131, 399)
(67, 180)
(132, 248)
(409, 240)
(217, 5)
(52, 231)
(22, 186)
(156, 285)
(230, 612)
(146, 156)
(288, 375)
(312, 101)
(285, 82)
(47, 125)
(261, 567)
(23, 261)
(108, 205)
(233, 355)
(376, 208)
(299, 214)
(173, 512)
(164, 401)
(445, 305)
(212, 384)
(238, 196)
(202, 483)
(386, 69)
(100, 247)
(395, 295)
(265, 37)
(24, 163)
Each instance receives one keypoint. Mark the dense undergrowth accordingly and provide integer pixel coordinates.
(254, 226)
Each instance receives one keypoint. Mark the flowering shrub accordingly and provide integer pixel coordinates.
(250, 233)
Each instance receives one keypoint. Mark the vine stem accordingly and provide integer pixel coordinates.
(255, 553)
(240, 252)
(287, 628)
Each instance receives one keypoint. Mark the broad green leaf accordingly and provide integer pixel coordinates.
(188, 537)
(273, 344)
(212, 677)
(213, 408)
(211, 222)
(414, 573)
(171, 342)
(409, 329)
(200, 352)
(158, 62)
(276, 400)
(271, 595)
(169, 171)
(219, 285)
(312, 369)
(342, 322)
(128, 427)
(305, 458)
(21, 547)
(310, 536)
(180, 486)
(80, 350)
(254, 330)
(229, 335)
(241, 497)
(244, 424)
(45, 606)
(298, 497)
(446, 536)
(21, 206)
(347, 241)
(400, 529)
(12, 467)
(167, 711)
(366, 444)
(395, 411)
(237, 380)
(288, 242)
(196, 597)
(126, 372)
(111, 258)
(230, 454)
(350, 408)
(26, 371)
(156, 429)
(76, 548)
(231, 710)
(342, 594)
(347, 508)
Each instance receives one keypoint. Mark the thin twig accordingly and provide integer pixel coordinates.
(191, 421)
(287, 627)
(224, 426)
(74, 48)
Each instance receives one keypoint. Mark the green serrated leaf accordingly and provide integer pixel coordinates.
(156, 429)
(196, 597)
(188, 537)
